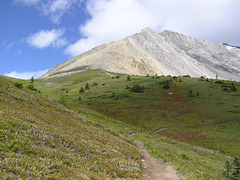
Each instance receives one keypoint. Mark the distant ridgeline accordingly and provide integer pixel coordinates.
(226, 44)
(165, 53)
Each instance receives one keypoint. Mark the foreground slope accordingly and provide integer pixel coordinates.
(165, 53)
(194, 124)
(41, 139)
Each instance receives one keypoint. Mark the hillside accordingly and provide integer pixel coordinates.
(40, 139)
(165, 53)
(193, 123)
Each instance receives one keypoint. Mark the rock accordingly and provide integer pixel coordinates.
(165, 53)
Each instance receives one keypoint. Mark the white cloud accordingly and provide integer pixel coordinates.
(26, 75)
(54, 9)
(45, 38)
(10, 45)
(115, 19)
(27, 2)
(57, 8)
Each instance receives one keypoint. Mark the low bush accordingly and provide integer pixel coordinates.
(81, 90)
(31, 87)
(18, 85)
(137, 88)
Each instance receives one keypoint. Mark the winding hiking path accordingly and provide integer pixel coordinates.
(154, 169)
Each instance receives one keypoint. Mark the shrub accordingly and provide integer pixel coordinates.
(228, 169)
(164, 82)
(233, 88)
(236, 169)
(225, 89)
(166, 86)
(128, 78)
(226, 85)
(86, 86)
(94, 84)
(127, 87)
(219, 82)
(31, 87)
(18, 85)
(186, 76)
(113, 95)
(190, 94)
(232, 171)
(137, 88)
(81, 90)
(198, 93)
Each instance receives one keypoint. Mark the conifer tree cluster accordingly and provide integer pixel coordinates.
(232, 171)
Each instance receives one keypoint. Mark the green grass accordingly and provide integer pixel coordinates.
(42, 139)
(193, 162)
(200, 132)
(210, 120)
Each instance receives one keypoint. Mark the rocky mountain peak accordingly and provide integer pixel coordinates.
(148, 30)
(165, 53)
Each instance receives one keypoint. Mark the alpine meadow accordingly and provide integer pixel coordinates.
(82, 119)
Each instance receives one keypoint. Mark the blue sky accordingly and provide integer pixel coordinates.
(35, 35)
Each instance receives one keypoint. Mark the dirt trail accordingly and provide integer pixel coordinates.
(154, 169)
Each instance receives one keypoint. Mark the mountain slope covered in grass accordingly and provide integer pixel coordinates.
(192, 123)
(40, 139)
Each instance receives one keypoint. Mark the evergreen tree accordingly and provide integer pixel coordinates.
(233, 88)
(228, 169)
(81, 90)
(87, 86)
(113, 95)
(32, 80)
(236, 169)
(198, 93)
(190, 94)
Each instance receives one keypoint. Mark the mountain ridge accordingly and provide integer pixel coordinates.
(164, 53)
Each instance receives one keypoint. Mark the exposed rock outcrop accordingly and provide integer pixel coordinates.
(165, 53)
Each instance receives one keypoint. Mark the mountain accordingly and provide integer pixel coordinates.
(165, 53)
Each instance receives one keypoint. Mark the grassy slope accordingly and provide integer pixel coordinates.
(41, 139)
(210, 120)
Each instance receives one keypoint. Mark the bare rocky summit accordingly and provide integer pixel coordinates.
(165, 53)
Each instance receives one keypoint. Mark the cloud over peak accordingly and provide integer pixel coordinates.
(112, 20)
(45, 38)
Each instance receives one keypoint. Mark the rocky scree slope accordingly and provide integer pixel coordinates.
(165, 53)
